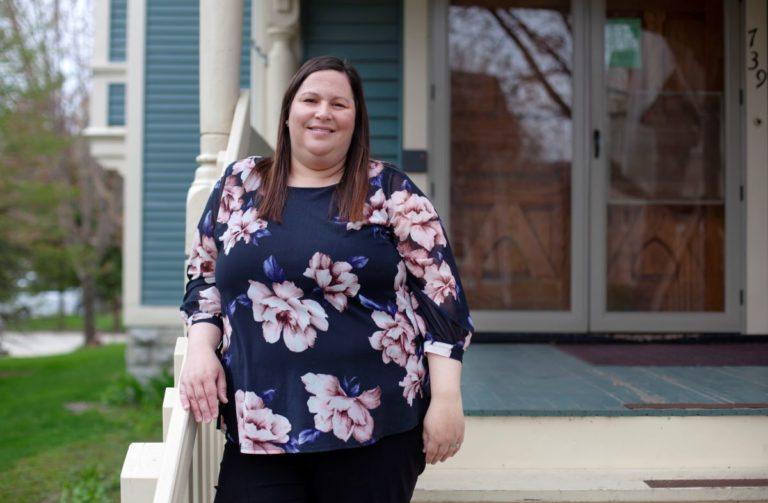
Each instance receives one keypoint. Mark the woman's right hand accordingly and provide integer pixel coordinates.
(202, 381)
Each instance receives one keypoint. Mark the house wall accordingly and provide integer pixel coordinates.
(163, 130)
(105, 129)
(755, 137)
(161, 145)
(369, 34)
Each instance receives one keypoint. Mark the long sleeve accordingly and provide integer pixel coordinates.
(432, 275)
(202, 302)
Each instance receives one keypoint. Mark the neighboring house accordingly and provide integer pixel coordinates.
(600, 166)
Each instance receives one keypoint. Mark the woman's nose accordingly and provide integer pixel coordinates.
(323, 110)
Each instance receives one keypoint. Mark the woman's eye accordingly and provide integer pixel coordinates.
(339, 105)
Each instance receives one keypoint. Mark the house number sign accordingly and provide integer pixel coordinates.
(754, 59)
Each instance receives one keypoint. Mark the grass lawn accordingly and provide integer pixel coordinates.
(71, 322)
(64, 423)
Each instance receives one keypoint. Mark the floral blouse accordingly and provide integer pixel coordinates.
(325, 322)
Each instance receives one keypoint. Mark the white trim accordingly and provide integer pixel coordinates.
(134, 313)
(114, 70)
(439, 107)
(756, 186)
(440, 348)
(101, 25)
(415, 74)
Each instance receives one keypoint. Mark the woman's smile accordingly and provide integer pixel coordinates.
(320, 131)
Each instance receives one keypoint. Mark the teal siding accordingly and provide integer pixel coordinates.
(171, 142)
(116, 105)
(369, 35)
(245, 54)
(118, 20)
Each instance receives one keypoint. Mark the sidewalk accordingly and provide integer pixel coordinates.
(30, 344)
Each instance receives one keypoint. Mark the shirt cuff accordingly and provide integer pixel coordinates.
(454, 351)
(200, 317)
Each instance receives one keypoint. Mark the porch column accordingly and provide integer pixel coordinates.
(282, 31)
(220, 45)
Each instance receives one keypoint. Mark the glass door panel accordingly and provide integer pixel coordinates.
(511, 80)
(665, 192)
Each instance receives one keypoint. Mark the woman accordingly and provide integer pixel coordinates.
(322, 296)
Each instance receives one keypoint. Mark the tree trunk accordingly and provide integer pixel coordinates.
(88, 284)
(116, 314)
(60, 321)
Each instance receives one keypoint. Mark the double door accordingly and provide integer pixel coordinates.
(587, 153)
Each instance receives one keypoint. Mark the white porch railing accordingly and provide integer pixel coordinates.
(184, 467)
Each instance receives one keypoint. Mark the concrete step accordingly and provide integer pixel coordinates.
(500, 485)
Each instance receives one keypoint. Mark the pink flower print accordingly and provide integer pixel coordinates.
(241, 225)
(374, 168)
(226, 336)
(440, 283)
(231, 199)
(467, 339)
(246, 168)
(260, 430)
(401, 275)
(334, 278)
(378, 208)
(416, 258)
(414, 379)
(283, 312)
(374, 212)
(336, 410)
(396, 340)
(407, 304)
(413, 215)
(202, 260)
(406, 301)
(210, 300)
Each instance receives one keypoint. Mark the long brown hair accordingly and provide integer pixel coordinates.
(350, 195)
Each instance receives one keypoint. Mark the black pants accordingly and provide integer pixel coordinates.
(383, 472)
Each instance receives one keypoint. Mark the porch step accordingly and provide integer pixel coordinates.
(499, 485)
(601, 459)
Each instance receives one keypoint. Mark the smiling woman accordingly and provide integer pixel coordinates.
(321, 123)
(328, 283)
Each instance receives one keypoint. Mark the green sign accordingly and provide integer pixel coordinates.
(622, 42)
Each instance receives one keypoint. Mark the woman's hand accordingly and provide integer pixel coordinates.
(443, 427)
(202, 381)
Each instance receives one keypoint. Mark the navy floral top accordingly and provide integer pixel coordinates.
(325, 322)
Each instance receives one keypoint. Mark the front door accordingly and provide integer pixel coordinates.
(591, 181)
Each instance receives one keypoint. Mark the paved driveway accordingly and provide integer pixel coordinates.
(27, 344)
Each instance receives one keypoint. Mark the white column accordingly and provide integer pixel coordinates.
(220, 48)
(756, 166)
(416, 89)
(282, 65)
(281, 61)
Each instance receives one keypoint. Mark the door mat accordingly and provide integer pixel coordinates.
(714, 354)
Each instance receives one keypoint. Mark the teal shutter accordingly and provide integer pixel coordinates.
(116, 105)
(118, 20)
(171, 141)
(369, 35)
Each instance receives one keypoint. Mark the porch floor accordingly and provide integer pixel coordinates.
(615, 379)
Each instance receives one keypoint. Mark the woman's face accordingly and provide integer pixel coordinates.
(321, 119)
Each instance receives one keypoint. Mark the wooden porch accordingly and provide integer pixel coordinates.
(554, 422)
(610, 422)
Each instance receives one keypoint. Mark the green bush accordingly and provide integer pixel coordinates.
(124, 390)
(127, 390)
(90, 485)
